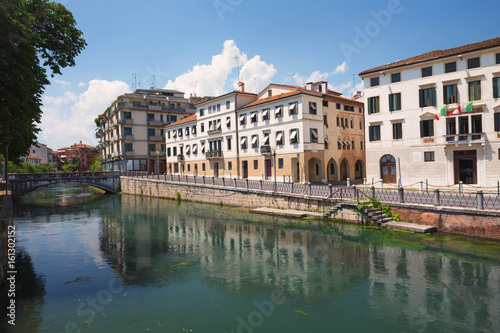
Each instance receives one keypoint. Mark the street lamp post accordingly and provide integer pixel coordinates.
(274, 162)
(157, 162)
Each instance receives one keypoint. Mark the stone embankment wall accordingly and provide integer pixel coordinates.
(470, 222)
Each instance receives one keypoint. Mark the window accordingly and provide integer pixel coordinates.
(202, 147)
(202, 127)
(279, 138)
(229, 146)
(339, 144)
(292, 108)
(188, 150)
(497, 121)
(313, 108)
(361, 145)
(209, 109)
(373, 105)
(179, 132)
(374, 133)
(337, 106)
(228, 105)
(352, 145)
(280, 163)
(397, 131)
(338, 121)
(255, 164)
(187, 131)
(396, 77)
(498, 58)
(218, 107)
(374, 81)
(352, 125)
(173, 119)
(243, 142)
(278, 112)
(427, 97)
(360, 124)
(195, 149)
(169, 153)
(427, 71)
(426, 128)
(294, 138)
(202, 166)
(253, 117)
(151, 147)
(474, 90)
(450, 67)
(128, 114)
(325, 120)
(496, 87)
(265, 114)
(395, 102)
(202, 112)
(474, 63)
(193, 129)
(230, 165)
(342, 122)
(266, 139)
(269, 93)
(349, 108)
(450, 94)
(255, 141)
(325, 103)
(429, 156)
(243, 119)
(128, 131)
(314, 135)
(189, 167)
(477, 124)
(151, 132)
(151, 117)
(129, 147)
(174, 151)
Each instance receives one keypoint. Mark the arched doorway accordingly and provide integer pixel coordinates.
(332, 171)
(344, 170)
(315, 172)
(388, 169)
(359, 170)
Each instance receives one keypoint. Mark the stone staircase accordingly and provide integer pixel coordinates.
(377, 216)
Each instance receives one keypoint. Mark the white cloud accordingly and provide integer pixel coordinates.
(299, 80)
(61, 82)
(210, 80)
(82, 84)
(341, 69)
(69, 119)
(342, 88)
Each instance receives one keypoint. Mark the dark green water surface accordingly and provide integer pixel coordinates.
(129, 264)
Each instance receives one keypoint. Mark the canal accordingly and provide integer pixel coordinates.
(88, 262)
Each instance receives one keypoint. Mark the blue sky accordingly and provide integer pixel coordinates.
(191, 45)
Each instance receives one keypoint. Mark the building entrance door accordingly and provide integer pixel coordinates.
(388, 169)
(244, 166)
(216, 170)
(268, 169)
(465, 166)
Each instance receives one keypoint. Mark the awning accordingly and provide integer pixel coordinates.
(314, 133)
(313, 106)
(292, 107)
(174, 134)
(219, 126)
(195, 149)
(254, 116)
(243, 140)
(293, 135)
(188, 150)
(242, 117)
(326, 140)
(228, 122)
(193, 130)
(279, 137)
(266, 140)
(265, 112)
(277, 111)
(254, 140)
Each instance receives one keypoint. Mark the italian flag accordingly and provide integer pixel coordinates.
(442, 112)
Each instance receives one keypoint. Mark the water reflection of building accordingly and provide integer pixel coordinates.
(403, 279)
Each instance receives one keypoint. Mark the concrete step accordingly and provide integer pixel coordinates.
(411, 227)
(385, 220)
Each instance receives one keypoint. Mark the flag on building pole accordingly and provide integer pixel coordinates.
(436, 116)
(467, 107)
(458, 110)
(442, 113)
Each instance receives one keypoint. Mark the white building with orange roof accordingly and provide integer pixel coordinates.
(293, 133)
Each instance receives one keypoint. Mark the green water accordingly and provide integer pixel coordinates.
(130, 264)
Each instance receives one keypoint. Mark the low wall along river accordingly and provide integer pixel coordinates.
(464, 221)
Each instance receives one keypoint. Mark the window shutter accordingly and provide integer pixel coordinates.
(391, 102)
(421, 128)
(495, 87)
(421, 97)
(377, 108)
(398, 101)
(432, 98)
(431, 127)
(497, 121)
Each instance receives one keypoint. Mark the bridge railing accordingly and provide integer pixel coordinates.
(62, 175)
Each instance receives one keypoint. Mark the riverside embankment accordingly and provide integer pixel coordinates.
(468, 221)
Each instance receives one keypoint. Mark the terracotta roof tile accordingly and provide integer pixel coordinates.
(438, 54)
(184, 120)
(276, 97)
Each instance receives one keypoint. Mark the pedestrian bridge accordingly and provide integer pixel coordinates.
(23, 183)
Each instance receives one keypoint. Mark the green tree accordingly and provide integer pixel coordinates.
(36, 36)
(70, 167)
(96, 164)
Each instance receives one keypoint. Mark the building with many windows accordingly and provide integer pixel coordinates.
(295, 133)
(79, 154)
(131, 131)
(438, 115)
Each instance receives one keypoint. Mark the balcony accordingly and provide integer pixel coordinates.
(128, 137)
(156, 138)
(129, 153)
(213, 154)
(180, 158)
(469, 138)
(156, 123)
(126, 121)
(266, 150)
(214, 131)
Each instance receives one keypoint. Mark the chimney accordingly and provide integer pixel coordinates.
(309, 85)
(241, 86)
